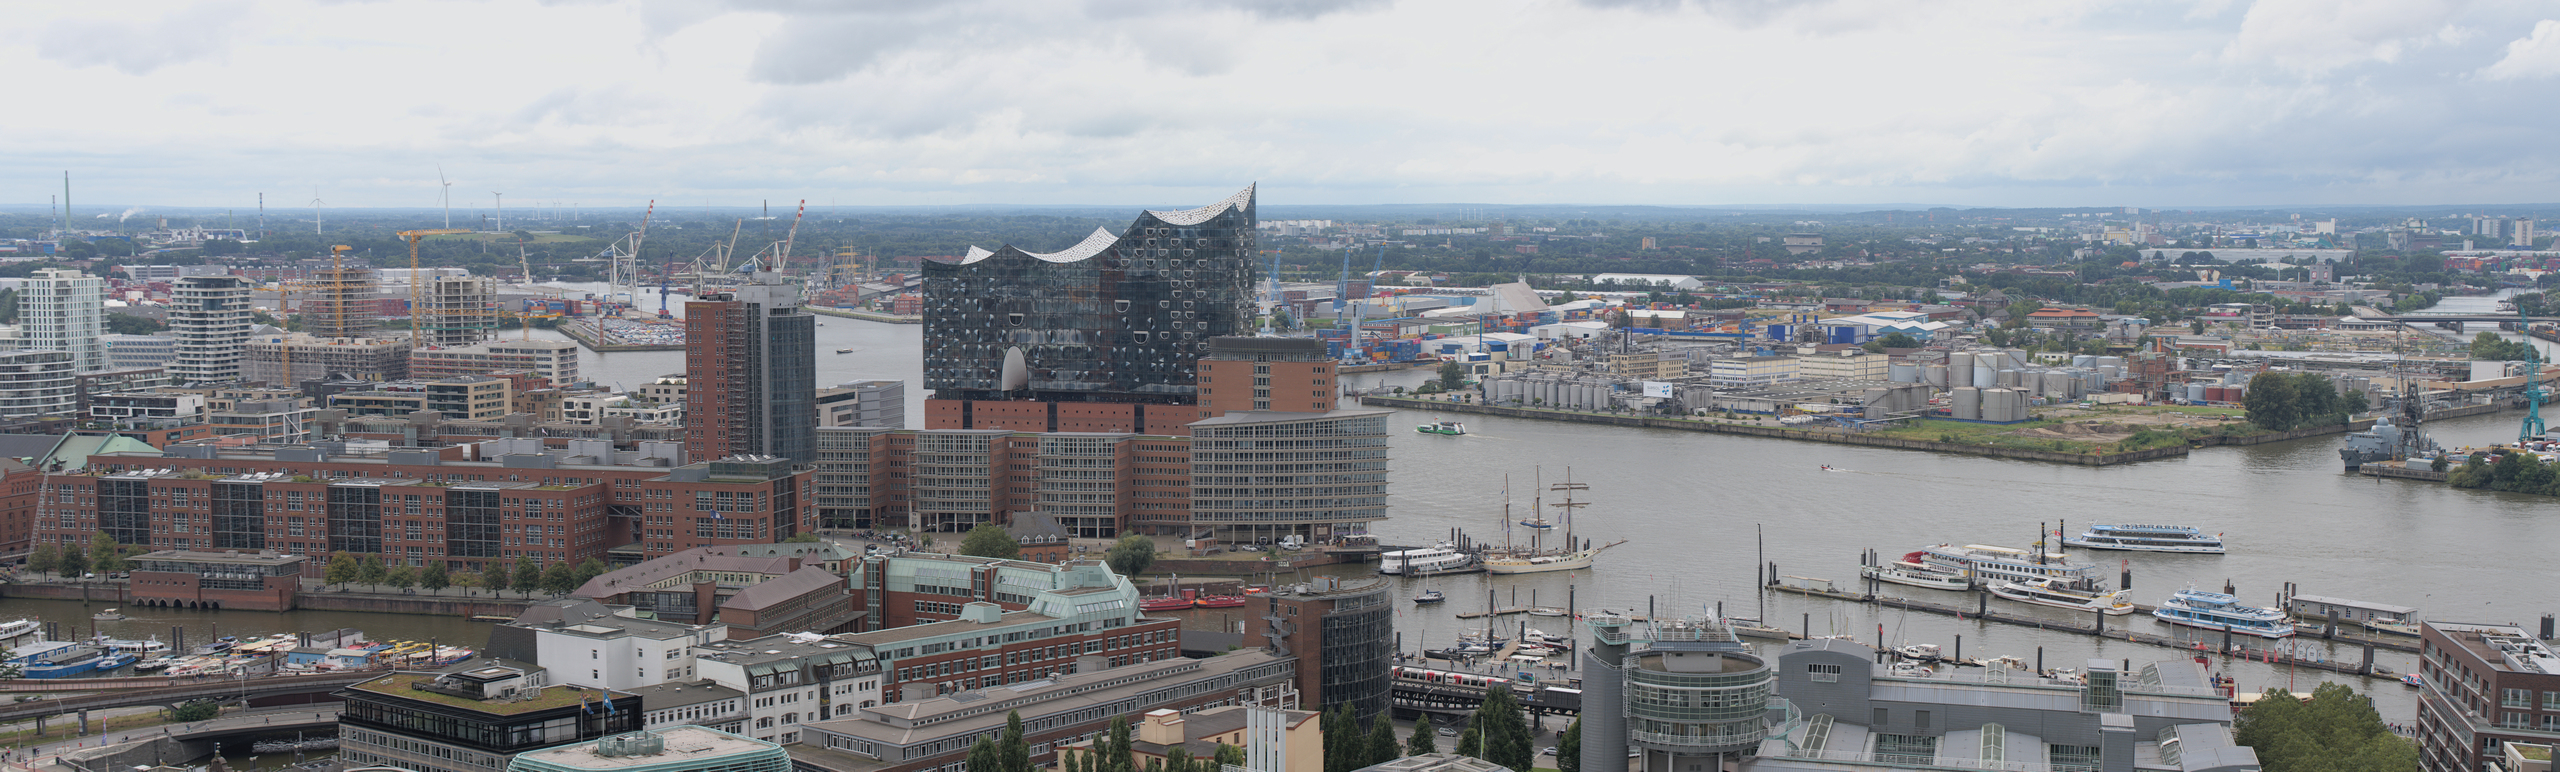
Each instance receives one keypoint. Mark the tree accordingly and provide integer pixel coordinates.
(1504, 735)
(196, 711)
(528, 577)
(128, 324)
(1117, 758)
(494, 576)
(1452, 375)
(1015, 751)
(1893, 340)
(435, 578)
(983, 756)
(1470, 743)
(401, 577)
(589, 570)
(560, 578)
(803, 538)
(1346, 755)
(1131, 555)
(1421, 742)
(105, 554)
(74, 562)
(990, 541)
(1569, 748)
(1228, 756)
(2270, 402)
(46, 557)
(371, 571)
(2336, 729)
(1382, 744)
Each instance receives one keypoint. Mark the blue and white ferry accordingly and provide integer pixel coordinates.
(2147, 538)
(2215, 611)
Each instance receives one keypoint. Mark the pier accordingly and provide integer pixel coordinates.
(2234, 645)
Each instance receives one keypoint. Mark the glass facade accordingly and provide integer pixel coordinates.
(953, 478)
(124, 510)
(355, 519)
(1257, 478)
(1114, 319)
(1698, 701)
(239, 515)
(1359, 652)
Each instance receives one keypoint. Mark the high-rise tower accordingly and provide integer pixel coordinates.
(1093, 337)
(209, 317)
(750, 363)
(60, 309)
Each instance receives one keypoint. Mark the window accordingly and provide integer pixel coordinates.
(1883, 717)
(1919, 719)
(2515, 698)
(1826, 674)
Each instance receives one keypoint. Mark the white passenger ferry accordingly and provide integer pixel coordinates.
(1910, 572)
(1424, 560)
(2147, 538)
(1989, 565)
(2044, 593)
(2215, 611)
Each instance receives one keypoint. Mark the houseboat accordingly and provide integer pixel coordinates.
(56, 659)
(2216, 611)
(2378, 617)
(2147, 538)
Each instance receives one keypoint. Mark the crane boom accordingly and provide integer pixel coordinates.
(782, 259)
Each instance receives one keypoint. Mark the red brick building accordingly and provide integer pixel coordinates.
(419, 506)
(249, 581)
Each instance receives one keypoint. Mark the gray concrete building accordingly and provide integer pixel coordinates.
(868, 403)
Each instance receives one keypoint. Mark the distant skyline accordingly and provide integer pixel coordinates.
(606, 103)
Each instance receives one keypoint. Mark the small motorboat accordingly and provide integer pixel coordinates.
(1219, 601)
(2413, 681)
(1544, 638)
(1920, 652)
(155, 663)
(1912, 670)
(1430, 596)
(109, 615)
(844, 351)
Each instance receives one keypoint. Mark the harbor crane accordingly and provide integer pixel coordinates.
(2532, 428)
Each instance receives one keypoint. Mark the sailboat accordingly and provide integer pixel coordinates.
(1537, 557)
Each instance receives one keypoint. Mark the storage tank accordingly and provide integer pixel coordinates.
(1985, 375)
(2110, 373)
(2007, 379)
(2083, 360)
(2003, 405)
(1902, 373)
(2092, 380)
(1965, 403)
(2195, 392)
(1934, 375)
(2055, 383)
(2115, 362)
(1960, 366)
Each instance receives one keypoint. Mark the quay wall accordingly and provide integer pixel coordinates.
(868, 316)
(403, 604)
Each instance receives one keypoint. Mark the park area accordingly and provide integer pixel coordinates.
(2099, 429)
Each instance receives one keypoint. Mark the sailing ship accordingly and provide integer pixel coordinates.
(1572, 555)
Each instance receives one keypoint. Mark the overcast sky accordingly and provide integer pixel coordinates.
(1695, 102)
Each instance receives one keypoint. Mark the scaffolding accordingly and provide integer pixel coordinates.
(455, 311)
(344, 303)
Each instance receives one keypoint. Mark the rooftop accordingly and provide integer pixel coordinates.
(1268, 416)
(1436, 762)
(782, 648)
(786, 588)
(693, 746)
(401, 685)
(2507, 648)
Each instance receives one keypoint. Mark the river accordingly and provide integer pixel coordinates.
(1695, 510)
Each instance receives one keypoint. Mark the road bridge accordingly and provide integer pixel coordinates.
(118, 693)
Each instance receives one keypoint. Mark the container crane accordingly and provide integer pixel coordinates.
(2532, 428)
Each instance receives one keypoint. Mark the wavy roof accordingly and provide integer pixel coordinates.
(1102, 239)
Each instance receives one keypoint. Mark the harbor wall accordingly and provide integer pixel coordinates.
(401, 604)
(2382, 470)
(101, 592)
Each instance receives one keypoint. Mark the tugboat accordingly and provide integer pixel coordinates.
(1449, 428)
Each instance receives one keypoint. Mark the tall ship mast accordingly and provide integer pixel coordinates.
(1574, 554)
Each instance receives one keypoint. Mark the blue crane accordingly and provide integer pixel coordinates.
(2532, 428)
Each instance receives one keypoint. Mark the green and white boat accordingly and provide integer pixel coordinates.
(1451, 428)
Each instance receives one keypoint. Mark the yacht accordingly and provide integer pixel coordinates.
(17, 633)
(1920, 652)
(2147, 538)
(1992, 565)
(2043, 592)
(1429, 596)
(1916, 574)
(1424, 560)
(149, 648)
(2216, 611)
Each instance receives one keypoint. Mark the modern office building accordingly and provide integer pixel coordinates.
(209, 317)
(2487, 686)
(751, 373)
(875, 403)
(1342, 634)
(38, 383)
(673, 749)
(1260, 477)
(137, 351)
(556, 360)
(473, 717)
(63, 309)
(455, 310)
(1104, 335)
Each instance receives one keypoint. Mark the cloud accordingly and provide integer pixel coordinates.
(2314, 37)
(139, 47)
(2535, 56)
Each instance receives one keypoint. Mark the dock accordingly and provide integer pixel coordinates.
(1499, 612)
(1982, 611)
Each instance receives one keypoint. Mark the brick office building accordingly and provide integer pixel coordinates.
(750, 364)
(415, 506)
(2487, 686)
(250, 581)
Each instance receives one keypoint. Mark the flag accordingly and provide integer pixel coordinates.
(716, 516)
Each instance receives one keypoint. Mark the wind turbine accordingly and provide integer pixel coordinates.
(502, 210)
(445, 195)
(315, 211)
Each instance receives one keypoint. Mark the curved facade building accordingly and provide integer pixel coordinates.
(35, 383)
(1120, 318)
(1693, 697)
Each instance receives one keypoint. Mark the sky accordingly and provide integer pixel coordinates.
(2159, 103)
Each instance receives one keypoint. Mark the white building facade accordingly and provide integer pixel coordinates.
(63, 309)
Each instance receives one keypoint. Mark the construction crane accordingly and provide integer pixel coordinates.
(666, 280)
(2532, 428)
(417, 330)
(782, 259)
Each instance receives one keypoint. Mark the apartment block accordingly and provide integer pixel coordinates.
(556, 360)
(2488, 686)
(293, 358)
